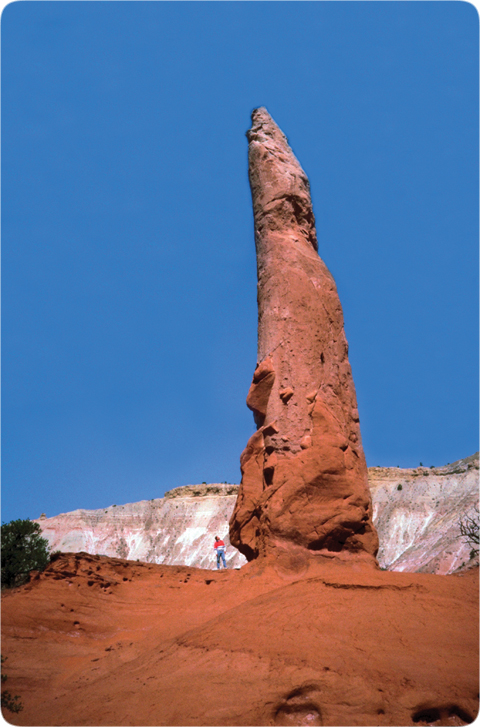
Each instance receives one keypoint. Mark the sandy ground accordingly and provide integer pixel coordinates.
(103, 641)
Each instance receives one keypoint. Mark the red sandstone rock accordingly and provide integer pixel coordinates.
(304, 476)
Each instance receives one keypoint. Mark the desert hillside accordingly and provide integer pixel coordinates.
(104, 641)
(416, 512)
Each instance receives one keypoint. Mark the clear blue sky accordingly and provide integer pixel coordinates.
(129, 278)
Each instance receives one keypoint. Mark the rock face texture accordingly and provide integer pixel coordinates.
(304, 477)
(104, 641)
(178, 529)
(417, 513)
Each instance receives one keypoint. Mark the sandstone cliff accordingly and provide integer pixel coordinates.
(416, 513)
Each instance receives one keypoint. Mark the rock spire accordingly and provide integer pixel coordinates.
(304, 482)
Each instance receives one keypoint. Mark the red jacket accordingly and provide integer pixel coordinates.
(219, 544)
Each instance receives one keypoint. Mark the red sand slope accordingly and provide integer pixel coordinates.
(104, 641)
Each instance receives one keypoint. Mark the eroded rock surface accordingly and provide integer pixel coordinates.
(178, 529)
(417, 513)
(304, 477)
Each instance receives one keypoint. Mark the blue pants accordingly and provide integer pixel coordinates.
(221, 554)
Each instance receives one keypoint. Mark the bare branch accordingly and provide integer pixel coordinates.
(469, 528)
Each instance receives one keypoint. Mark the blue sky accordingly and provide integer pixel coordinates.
(128, 260)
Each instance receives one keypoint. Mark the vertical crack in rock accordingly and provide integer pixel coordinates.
(304, 476)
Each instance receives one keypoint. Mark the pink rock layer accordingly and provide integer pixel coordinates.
(304, 476)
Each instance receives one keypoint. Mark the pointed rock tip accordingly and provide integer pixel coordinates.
(264, 127)
(261, 115)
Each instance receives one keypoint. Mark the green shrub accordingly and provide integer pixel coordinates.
(399, 487)
(13, 704)
(23, 550)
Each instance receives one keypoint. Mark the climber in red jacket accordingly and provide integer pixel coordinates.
(219, 546)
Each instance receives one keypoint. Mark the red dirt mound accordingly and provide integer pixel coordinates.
(104, 641)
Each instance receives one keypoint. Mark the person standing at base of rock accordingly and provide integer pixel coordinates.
(219, 546)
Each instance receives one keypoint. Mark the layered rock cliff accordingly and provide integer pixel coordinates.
(177, 529)
(416, 512)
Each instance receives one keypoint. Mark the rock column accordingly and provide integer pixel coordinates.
(304, 475)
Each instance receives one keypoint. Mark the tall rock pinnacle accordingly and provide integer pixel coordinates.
(304, 476)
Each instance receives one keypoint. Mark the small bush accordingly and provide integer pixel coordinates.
(399, 487)
(23, 550)
(9, 702)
